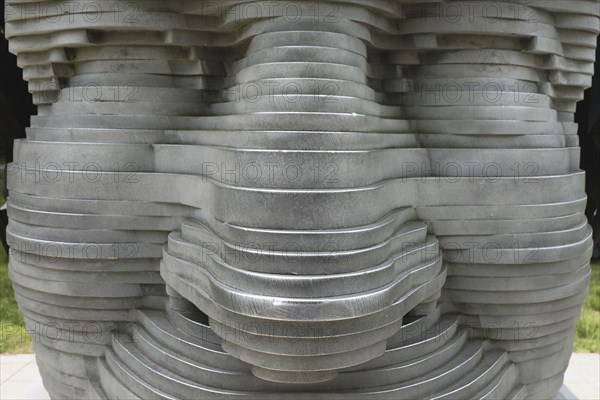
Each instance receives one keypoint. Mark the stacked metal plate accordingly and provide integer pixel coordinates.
(322, 200)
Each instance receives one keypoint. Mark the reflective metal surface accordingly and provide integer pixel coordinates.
(317, 200)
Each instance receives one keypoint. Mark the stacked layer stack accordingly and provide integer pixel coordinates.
(342, 199)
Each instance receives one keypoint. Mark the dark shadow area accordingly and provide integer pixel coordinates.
(16, 108)
(588, 118)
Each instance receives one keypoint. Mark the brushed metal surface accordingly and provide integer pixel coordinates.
(320, 200)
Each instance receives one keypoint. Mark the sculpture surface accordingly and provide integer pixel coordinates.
(321, 200)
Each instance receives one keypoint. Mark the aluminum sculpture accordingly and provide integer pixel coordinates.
(308, 200)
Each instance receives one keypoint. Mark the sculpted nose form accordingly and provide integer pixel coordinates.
(316, 258)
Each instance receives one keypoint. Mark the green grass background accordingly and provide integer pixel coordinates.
(13, 337)
(587, 331)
